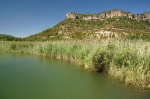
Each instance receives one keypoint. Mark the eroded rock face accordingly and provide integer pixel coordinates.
(109, 14)
(71, 15)
(146, 16)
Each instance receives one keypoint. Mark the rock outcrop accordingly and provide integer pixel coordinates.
(99, 26)
(109, 14)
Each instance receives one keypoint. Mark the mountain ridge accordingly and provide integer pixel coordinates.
(108, 24)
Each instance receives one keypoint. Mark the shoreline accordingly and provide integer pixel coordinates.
(100, 58)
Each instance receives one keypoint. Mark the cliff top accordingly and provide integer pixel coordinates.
(109, 14)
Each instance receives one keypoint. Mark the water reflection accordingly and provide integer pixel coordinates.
(32, 77)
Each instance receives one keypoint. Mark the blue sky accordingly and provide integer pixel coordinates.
(22, 18)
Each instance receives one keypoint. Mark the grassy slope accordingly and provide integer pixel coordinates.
(125, 60)
(80, 29)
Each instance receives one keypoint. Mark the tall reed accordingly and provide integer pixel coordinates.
(126, 60)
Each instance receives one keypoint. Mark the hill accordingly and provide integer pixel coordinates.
(4, 37)
(108, 24)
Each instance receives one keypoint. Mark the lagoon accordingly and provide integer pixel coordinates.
(25, 76)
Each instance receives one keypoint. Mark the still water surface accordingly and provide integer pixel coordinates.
(35, 77)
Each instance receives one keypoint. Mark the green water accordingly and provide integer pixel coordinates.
(35, 77)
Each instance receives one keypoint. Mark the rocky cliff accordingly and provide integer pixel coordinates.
(108, 24)
(109, 14)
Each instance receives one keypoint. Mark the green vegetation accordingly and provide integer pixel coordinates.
(80, 41)
(127, 60)
(81, 29)
(4, 37)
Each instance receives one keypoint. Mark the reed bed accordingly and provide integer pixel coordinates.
(126, 60)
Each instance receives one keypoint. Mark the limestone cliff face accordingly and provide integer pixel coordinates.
(93, 26)
(146, 16)
(109, 14)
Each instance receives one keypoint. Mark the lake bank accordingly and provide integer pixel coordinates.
(123, 60)
(26, 76)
